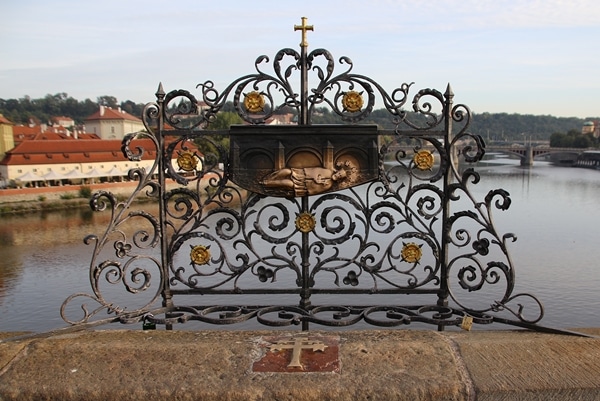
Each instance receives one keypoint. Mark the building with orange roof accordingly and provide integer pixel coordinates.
(7, 141)
(59, 161)
(37, 155)
(109, 123)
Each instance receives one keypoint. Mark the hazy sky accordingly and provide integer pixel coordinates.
(527, 57)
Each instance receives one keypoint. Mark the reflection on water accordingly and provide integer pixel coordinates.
(554, 213)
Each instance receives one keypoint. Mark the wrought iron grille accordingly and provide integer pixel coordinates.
(306, 223)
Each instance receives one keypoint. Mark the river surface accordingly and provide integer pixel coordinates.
(555, 213)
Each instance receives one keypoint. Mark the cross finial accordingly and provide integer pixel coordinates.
(303, 28)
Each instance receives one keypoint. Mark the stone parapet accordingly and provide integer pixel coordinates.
(259, 365)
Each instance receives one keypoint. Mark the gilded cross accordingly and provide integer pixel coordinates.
(297, 344)
(303, 28)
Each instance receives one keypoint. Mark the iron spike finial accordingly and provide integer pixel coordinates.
(449, 93)
(160, 92)
(303, 28)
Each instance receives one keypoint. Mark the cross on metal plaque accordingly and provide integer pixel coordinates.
(297, 344)
(299, 353)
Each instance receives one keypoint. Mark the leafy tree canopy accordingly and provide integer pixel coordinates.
(26, 109)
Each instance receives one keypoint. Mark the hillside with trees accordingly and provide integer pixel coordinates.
(492, 126)
(21, 111)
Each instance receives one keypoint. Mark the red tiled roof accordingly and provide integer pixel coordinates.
(76, 151)
(87, 135)
(26, 133)
(4, 120)
(111, 114)
(79, 151)
(61, 118)
(26, 130)
(53, 133)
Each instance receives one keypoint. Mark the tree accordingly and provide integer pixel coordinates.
(558, 140)
(132, 108)
(109, 101)
(223, 121)
(572, 139)
(582, 141)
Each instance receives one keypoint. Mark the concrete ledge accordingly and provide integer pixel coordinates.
(373, 365)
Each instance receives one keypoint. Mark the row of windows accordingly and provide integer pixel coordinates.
(35, 170)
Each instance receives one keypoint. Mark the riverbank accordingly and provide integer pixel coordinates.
(251, 366)
(25, 200)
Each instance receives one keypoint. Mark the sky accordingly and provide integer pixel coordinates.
(539, 57)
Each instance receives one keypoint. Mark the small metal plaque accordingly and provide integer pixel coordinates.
(467, 323)
(298, 353)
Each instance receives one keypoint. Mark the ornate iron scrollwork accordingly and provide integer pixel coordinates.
(407, 223)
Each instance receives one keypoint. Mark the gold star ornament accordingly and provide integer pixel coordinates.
(187, 161)
(254, 102)
(305, 222)
(423, 159)
(200, 255)
(411, 253)
(352, 101)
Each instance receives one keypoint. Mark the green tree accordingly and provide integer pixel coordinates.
(582, 141)
(572, 139)
(135, 109)
(558, 140)
(223, 121)
(109, 101)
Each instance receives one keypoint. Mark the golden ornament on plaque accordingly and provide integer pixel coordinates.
(423, 159)
(352, 101)
(200, 254)
(411, 252)
(305, 222)
(254, 102)
(187, 161)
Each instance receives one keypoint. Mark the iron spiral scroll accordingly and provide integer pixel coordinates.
(414, 229)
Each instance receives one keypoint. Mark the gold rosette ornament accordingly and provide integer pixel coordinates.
(411, 252)
(187, 161)
(423, 159)
(254, 102)
(200, 254)
(352, 101)
(305, 222)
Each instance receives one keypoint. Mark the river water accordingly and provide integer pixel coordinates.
(555, 213)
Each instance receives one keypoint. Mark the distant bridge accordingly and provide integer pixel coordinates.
(528, 153)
